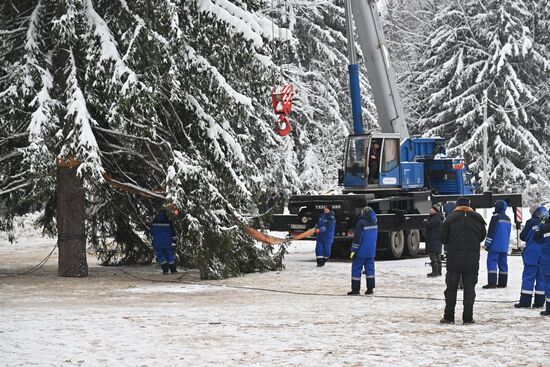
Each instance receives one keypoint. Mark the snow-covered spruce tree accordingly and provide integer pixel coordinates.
(153, 95)
(539, 188)
(407, 24)
(477, 47)
(316, 63)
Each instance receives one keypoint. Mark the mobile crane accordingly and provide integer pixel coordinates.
(409, 174)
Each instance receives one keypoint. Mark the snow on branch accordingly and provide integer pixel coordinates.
(251, 26)
(215, 132)
(31, 45)
(109, 50)
(85, 145)
(504, 150)
(202, 63)
(42, 116)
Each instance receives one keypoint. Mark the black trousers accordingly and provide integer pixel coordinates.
(453, 279)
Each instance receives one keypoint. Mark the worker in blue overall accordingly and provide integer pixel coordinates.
(163, 234)
(532, 277)
(497, 243)
(325, 235)
(543, 236)
(363, 251)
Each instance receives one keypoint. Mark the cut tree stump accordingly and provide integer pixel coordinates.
(71, 220)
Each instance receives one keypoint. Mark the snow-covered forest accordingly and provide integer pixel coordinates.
(173, 97)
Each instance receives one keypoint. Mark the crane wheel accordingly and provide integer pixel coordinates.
(412, 243)
(394, 242)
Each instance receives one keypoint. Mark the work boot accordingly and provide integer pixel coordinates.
(434, 272)
(489, 286)
(539, 300)
(173, 268)
(164, 268)
(502, 280)
(547, 311)
(524, 301)
(445, 320)
(491, 279)
(468, 315)
(353, 293)
(320, 262)
(371, 282)
(369, 291)
(355, 286)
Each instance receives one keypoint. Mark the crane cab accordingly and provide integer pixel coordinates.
(382, 161)
(372, 161)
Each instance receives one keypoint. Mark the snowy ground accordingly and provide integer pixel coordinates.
(112, 318)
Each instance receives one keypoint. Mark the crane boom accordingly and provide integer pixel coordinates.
(391, 117)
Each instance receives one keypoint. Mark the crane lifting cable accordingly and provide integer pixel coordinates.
(281, 95)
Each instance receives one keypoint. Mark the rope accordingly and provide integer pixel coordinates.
(259, 289)
(32, 269)
(280, 291)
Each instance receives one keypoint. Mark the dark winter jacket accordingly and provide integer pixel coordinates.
(326, 226)
(433, 231)
(162, 230)
(498, 235)
(462, 232)
(365, 236)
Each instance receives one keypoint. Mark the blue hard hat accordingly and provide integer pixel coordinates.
(541, 212)
(501, 206)
(369, 213)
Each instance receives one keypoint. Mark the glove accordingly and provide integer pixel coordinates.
(352, 255)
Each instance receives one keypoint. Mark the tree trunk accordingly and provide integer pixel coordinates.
(71, 222)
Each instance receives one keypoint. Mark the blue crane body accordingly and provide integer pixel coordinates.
(399, 176)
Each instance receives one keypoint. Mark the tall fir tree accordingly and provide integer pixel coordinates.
(156, 95)
(169, 96)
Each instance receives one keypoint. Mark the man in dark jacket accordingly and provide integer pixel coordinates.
(462, 232)
(433, 242)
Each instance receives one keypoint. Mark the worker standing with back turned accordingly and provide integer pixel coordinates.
(363, 251)
(497, 243)
(164, 235)
(462, 232)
